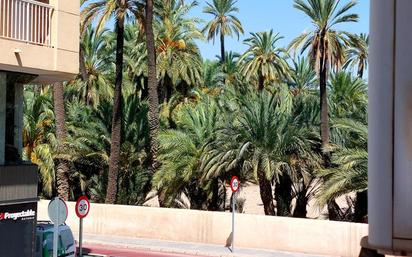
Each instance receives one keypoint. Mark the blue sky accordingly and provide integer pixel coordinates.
(279, 15)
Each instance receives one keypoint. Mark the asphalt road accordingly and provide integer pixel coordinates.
(122, 252)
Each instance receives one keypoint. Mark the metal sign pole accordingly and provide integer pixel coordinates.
(233, 221)
(81, 238)
(82, 209)
(56, 231)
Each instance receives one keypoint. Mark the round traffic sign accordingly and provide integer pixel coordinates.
(82, 207)
(57, 211)
(234, 184)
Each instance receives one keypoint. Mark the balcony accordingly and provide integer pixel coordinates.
(40, 38)
(26, 20)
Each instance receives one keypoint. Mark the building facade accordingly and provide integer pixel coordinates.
(390, 127)
(39, 43)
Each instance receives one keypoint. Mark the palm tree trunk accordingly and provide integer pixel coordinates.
(283, 195)
(87, 98)
(324, 116)
(224, 197)
(117, 118)
(169, 88)
(334, 211)
(145, 89)
(261, 85)
(172, 123)
(324, 112)
(82, 65)
(361, 206)
(152, 86)
(161, 91)
(214, 201)
(62, 168)
(266, 195)
(300, 210)
(360, 70)
(153, 96)
(222, 48)
(83, 73)
(165, 89)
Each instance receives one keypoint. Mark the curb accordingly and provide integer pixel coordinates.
(164, 249)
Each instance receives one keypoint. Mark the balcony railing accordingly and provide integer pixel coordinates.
(26, 20)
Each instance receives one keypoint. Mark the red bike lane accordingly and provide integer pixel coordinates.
(111, 251)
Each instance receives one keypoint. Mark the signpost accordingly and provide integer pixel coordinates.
(57, 211)
(234, 185)
(82, 209)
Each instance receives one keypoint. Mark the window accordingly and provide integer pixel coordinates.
(67, 238)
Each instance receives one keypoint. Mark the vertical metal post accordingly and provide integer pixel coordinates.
(81, 238)
(233, 221)
(56, 231)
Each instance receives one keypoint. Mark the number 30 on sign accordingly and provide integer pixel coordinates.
(234, 184)
(82, 207)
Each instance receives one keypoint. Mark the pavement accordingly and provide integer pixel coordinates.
(91, 250)
(135, 247)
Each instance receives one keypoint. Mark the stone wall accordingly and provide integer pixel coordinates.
(252, 231)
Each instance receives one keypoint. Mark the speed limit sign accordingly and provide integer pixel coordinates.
(82, 207)
(234, 184)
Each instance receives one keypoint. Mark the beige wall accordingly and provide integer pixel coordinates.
(254, 231)
(56, 63)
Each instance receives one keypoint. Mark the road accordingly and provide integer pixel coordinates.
(122, 252)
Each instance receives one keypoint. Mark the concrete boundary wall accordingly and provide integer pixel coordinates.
(252, 231)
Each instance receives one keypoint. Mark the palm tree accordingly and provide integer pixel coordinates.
(224, 22)
(213, 75)
(230, 67)
(182, 152)
(178, 60)
(179, 63)
(89, 130)
(177, 101)
(121, 10)
(82, 66)
(62, 168)
(152, 86)
(348, 97)
(348, 105)
(357, 53)
(350, 172)
(37, 132)
(302, 78)
(263, 59)
(349, 176)
(135, 178)
(96, 64)
(135, 57)
(43, 147)
(326, 47)
(260, 144)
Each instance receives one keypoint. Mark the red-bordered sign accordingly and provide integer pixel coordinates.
(82, 207)
(57, 211)
(234, 184)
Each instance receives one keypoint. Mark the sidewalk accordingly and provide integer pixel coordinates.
(183, 247)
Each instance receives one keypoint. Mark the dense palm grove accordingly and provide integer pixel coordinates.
(148, 114)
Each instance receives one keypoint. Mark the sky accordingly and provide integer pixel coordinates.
(279, 15)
